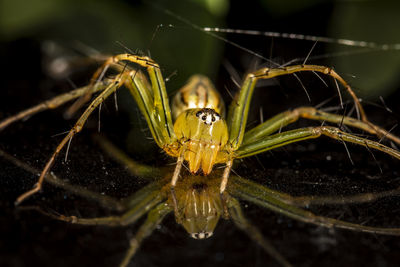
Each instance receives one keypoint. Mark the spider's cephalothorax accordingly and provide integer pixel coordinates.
(199, 127)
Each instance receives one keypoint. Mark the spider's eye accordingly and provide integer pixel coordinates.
(208, 116)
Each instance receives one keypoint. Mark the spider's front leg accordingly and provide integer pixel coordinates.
(238, 111)
(153, 103)
(77, 128)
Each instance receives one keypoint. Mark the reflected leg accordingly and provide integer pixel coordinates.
(240, 221)
(103, 200)
(305, 201)
(270, 199)
(135, 168)
(154, 218)
(143, 201)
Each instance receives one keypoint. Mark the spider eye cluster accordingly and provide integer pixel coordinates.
(208, 116)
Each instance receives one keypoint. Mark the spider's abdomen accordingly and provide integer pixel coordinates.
(205, 134)
(199, 92)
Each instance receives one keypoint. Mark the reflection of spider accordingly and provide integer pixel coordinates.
(197, 204)
(200, 135)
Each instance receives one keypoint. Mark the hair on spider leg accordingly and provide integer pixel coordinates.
(302, 86)
(384, 136)
(67, 150)
(127, 49)
(174, 73)
(373, 156)
(384, 104)
(343, 116)
(233, 75)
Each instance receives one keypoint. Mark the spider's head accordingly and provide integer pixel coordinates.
(199, 209)
(205, 134)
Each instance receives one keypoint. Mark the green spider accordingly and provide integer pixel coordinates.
(200, 135)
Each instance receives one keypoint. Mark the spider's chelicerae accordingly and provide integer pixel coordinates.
(194, 130)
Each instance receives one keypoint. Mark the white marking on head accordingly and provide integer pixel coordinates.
(208, 116)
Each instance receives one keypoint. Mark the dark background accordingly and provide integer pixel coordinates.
(34, 36)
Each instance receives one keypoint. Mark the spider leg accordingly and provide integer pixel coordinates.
(225, 176)
(281, 120)
(152, 99)
(154, 106)
(149, 204)
(77, 128)
(96, 78)
(136, 206)
(52, 103)
(178, 167)
(305, 201)
(154, 218)
(236, 213)
(153, 102)
(174, 179)
(288, 137)
(238, 111)
(137, 169)
(105, 201)
(270, 199)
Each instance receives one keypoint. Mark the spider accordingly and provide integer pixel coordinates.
(201, 135)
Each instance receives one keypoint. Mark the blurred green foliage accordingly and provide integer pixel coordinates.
(100, 24)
